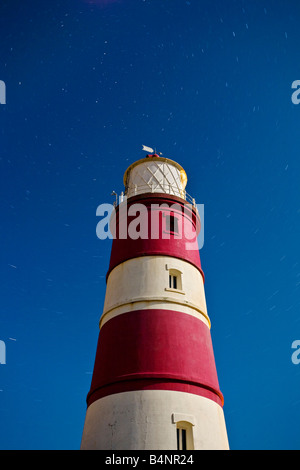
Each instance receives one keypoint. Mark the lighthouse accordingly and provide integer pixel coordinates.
(155, 384)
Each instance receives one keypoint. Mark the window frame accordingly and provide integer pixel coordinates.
(184, 430)
(174, 283)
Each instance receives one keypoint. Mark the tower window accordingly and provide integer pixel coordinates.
(171, 223)
(181, 439)
(184, 435)
(175, 281)
(184, 430)
(172, 281)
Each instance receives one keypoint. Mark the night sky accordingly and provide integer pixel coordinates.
(208, 83)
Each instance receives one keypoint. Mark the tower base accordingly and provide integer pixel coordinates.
(152, 420)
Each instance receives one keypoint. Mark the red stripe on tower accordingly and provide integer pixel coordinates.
(149, 344)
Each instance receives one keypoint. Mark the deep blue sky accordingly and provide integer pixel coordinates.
(209, 84)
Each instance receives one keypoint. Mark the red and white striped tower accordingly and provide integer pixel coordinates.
(155, 384)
